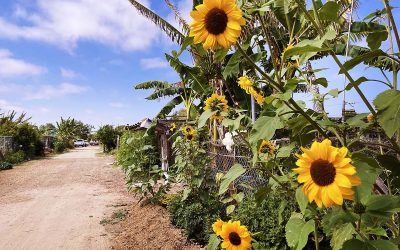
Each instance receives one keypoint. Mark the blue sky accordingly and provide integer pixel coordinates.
(81, 58)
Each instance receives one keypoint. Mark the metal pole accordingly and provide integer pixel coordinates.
(253, 109)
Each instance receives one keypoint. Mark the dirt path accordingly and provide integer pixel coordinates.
(57, 203)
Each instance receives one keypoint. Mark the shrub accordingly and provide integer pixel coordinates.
(16, 157)
(268, 219)
(59, 147)
(5, 165)
(196, 214)
(107, 135)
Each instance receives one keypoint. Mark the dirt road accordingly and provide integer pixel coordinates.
(57, 203)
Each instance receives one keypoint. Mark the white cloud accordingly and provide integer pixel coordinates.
(67, 73)
(51, 91)
(117, 105)
(10, 66)
(66, 22)
(153, 63)
(39, 92)
(6, 106)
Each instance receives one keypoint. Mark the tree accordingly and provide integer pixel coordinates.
(107, 135)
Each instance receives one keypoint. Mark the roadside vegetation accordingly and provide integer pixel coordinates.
(299, 179)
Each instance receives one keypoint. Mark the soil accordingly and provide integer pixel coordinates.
(78, 200)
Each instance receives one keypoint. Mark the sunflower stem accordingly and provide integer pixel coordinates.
(316, 234)
(280, 89)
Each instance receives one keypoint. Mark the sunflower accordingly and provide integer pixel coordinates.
(172, 127)
(259, 97)
(217, 226)
(371, 118)
(245, 83)
(235, 236)
(327, 174)
(289, 47)
(216, 103)
(266, 148)
(189, 132)
(216, 22)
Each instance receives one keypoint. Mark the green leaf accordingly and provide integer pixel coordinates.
(388, 105)
(361, 58)
(285, 151)
(375, 39)
(358, 121)
(213, 242)
(354, 244)
(329, 12)
(356, 83)
(368, 170)
(301, 199)
(233, 173)
(336, 218)
(383, 203)
(281, 209)
(230, 209)
(261, 194)
(261, 131)
(297, 231)
(333, 92)
(382, 245)
(342, 234)
(232, 68)
(321, 81)
(204, 117)
(220, 54)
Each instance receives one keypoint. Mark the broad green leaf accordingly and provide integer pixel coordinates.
(375, 39)
(357, 120)
(261, 194)
(368, 170)
(204, 117)
(301, 199)
(213, 242)
(382, 245)
(333, 92)
(301, 50)
(336, 218)
(388, 105)
(321, 81)
(264, 128)
(232, 68)
(281, 209)
(383, 203)
(233, 173)
(329, 11)
(285, 151)
(220, 54)
(230, 209)
(361, 58)
(297, 231)
(354, 244)
(341, 234)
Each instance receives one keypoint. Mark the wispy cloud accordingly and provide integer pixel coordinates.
(153, 63)
(111, 22)
(10, 66)
(40, 92)
(116, 105)
(67, 73)
(6, 106)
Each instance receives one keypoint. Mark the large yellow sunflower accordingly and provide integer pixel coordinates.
(216, 103)
(327, 174)
(189, 132)
(172, 127)
(235, 236)
(216, 22)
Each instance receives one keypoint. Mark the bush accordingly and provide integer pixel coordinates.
(107, 135)
(195, 215)
(16, 157)
(59, 147)
(267, 220)
(5, 165)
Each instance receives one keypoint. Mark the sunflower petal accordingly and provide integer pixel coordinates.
(342, 181)
(334, 194)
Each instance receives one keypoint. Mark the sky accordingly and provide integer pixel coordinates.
(81, 59)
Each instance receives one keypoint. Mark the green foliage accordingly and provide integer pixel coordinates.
(265, 220)
(59, 147)
(16, 157)
(107, 136)
(5, 165)
(196, 214)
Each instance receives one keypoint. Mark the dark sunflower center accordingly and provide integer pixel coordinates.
(188, 130)
(216, 21)
(189, 137)
(265, 149)
(235, 239)
(322, 172)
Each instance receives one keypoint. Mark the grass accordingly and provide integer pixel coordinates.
(115, 218)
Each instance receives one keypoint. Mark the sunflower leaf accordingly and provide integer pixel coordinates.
(388, 106)
(213, 242)
(297, 231)
(233, 173)
(301, 199)
(204, 117)
(342, 234)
